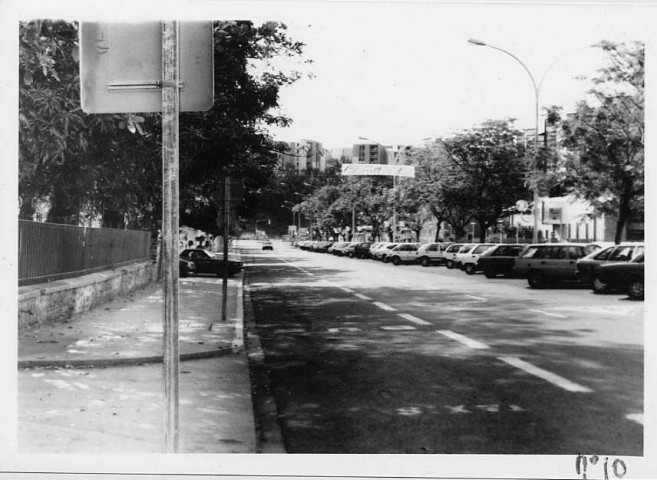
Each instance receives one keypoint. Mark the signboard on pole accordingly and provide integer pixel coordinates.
(378, 169)
(121, 67)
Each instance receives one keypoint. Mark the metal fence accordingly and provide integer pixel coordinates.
(48, 251)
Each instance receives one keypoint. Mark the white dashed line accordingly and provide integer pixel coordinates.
(548, 313)
(343, 329)
(463, 339)
(361, 296)
(481, 299)
(345, 289)
(414, 319)
(635, 417)
(398, 327)
(383, 306)
(545, 375)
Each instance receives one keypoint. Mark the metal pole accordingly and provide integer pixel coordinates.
(170, 164)
(536, 198)
(394, 209)
(224, 296)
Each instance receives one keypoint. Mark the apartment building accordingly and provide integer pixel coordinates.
(303, 155)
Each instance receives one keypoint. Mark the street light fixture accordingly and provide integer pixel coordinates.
(537, 88)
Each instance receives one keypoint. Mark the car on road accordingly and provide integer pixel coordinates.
(207, 262)
(450, 254)
(627, 276)
(186, 267)
(500, 260)
(432, 253)
(588, 266)
(362, 250)
(546, 263)
(469, 261)
(267, 245)
(338, 246)
(404, 253)
(341, 249)
(383, 254)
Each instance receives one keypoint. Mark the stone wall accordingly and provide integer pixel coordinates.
(58, 301)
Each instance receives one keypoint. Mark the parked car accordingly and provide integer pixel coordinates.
(186, 268)
(588, 266)
(383, 254)
(207, 262)
(627, 277)
(340, 249)
(450, 254)
(499, 260)
(362, 250)
(337, 245)
(377, 249)
(550, 262)
(468, 261)
(404, 253)
(323, 247)
(432, 253)
(267, 245)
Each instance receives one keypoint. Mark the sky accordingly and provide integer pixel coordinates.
(398, 73)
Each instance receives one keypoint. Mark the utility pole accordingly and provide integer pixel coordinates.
(224, 296)
(170, 219)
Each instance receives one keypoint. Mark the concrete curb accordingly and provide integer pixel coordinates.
(112, 362)
(269, 438)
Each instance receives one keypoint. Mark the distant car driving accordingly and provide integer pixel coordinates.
(267, 245)
(207, 262)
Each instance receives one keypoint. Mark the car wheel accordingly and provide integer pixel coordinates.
(385, 259)
(490, 272)
(536, 279)
(635, 288)
(598, 286)
(396, 260)
(425, 262)
(470, 269)
(449, 264)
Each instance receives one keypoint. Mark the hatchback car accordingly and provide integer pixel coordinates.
(550, 262)
(450, 254)
(404, 253)
(469, 261)
(432, 253)
(627, 277)
(499, 260)
(588, 266)
(383, 254)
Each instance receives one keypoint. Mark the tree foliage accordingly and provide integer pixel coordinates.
(110, 165)
(604, 138)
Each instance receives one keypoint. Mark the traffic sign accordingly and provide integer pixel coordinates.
(121, 67)
(378, 169)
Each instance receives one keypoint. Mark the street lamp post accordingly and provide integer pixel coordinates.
(537, 88)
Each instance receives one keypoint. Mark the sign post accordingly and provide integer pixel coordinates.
(136, 68)
(170, 218)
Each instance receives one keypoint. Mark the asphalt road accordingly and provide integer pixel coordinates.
(366, 357)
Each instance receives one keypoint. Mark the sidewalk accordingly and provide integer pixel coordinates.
(95, 383)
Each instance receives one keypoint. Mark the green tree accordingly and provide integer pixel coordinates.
(605, 138)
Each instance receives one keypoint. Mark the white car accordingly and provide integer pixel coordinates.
(383, 253)
(470, 261)
(404, 253)
(432, 253)
(375, 250)
(450, 254)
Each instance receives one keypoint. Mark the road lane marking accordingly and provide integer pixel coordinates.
(635, 417)
(383, 306)
(548, 313)
(343, 329)
(348, 290)
(362, 297)
(398, 327)
(545, 375)
(481, 299)
(463, 339)
(413, 319)
(289, 330)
